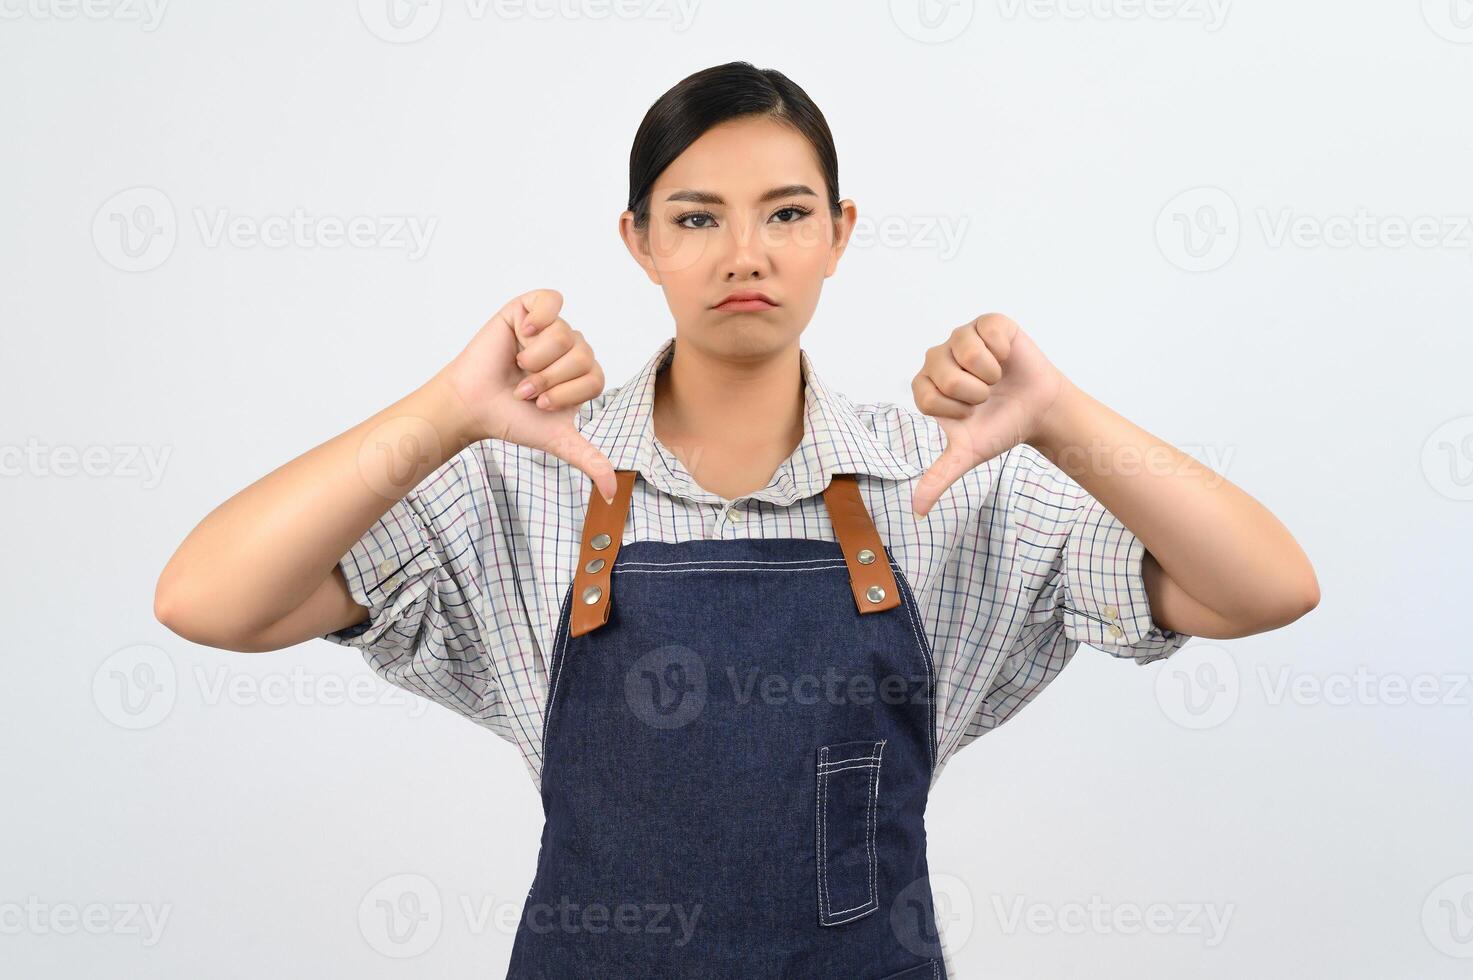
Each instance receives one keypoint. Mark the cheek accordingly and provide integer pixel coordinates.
(676, 253)
(810, 236)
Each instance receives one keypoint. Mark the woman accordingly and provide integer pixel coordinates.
(816, 602)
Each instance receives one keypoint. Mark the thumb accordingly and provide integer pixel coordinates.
(949, 467)
(995, 428)
(572, 447)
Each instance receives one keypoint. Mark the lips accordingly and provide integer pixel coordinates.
(746, 301)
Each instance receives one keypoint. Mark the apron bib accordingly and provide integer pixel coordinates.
(738, 744)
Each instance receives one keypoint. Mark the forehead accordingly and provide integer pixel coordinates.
(740, 159)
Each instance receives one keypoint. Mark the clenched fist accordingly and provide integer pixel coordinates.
(989, 386)
(522, 378)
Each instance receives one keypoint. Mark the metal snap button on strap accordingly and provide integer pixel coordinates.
(871, 581)
(603, 525)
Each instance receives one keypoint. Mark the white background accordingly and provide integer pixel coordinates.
(1115, 174)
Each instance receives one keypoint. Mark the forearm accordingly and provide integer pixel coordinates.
(1213, 541)
(262, 553)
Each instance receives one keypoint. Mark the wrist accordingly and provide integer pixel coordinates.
(454, 418)
(1060, 425)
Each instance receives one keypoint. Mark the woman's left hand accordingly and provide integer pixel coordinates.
(990, 387)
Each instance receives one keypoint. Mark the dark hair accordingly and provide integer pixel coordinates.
(714, 95)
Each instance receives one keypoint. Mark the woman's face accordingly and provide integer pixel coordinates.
(743, 208)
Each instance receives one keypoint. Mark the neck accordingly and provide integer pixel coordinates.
(731, 422)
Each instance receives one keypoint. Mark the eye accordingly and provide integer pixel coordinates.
(682, 218)
(801, 213)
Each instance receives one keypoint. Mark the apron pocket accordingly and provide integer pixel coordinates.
(848, 800)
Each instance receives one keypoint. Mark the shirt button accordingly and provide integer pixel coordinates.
(1111, 612)
(734, 516)
(1116, 631)
(385, 567)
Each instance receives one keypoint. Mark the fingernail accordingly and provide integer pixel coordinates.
(526, 389)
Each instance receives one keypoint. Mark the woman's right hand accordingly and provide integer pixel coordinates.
(527, 347)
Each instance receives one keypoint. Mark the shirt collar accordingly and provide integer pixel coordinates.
(835, 440)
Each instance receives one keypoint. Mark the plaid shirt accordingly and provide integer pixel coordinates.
(1013, 568)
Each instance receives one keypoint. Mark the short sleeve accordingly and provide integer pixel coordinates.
(1072, 575)
(1102, 592)
(416, 570)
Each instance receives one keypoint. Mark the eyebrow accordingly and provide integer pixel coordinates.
(707, 197)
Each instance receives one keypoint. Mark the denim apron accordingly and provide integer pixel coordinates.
(738, 744)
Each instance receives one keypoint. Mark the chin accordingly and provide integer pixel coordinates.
(743, 334)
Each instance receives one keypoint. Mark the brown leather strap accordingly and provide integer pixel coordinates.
(864, 553)
(869, 566)
(603, 525)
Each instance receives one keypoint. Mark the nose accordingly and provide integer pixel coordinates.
(746, 252)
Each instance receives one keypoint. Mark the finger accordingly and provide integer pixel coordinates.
(572, 447)
(589, 384)
(970, 352)
(955, 381)
(997, 332)
(547, 347)
(577, 362)
(539, 310)
(573, 392)
(930, 400)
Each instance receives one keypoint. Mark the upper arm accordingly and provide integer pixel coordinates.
(1173, 609)
(415, 596)
(331, 607)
